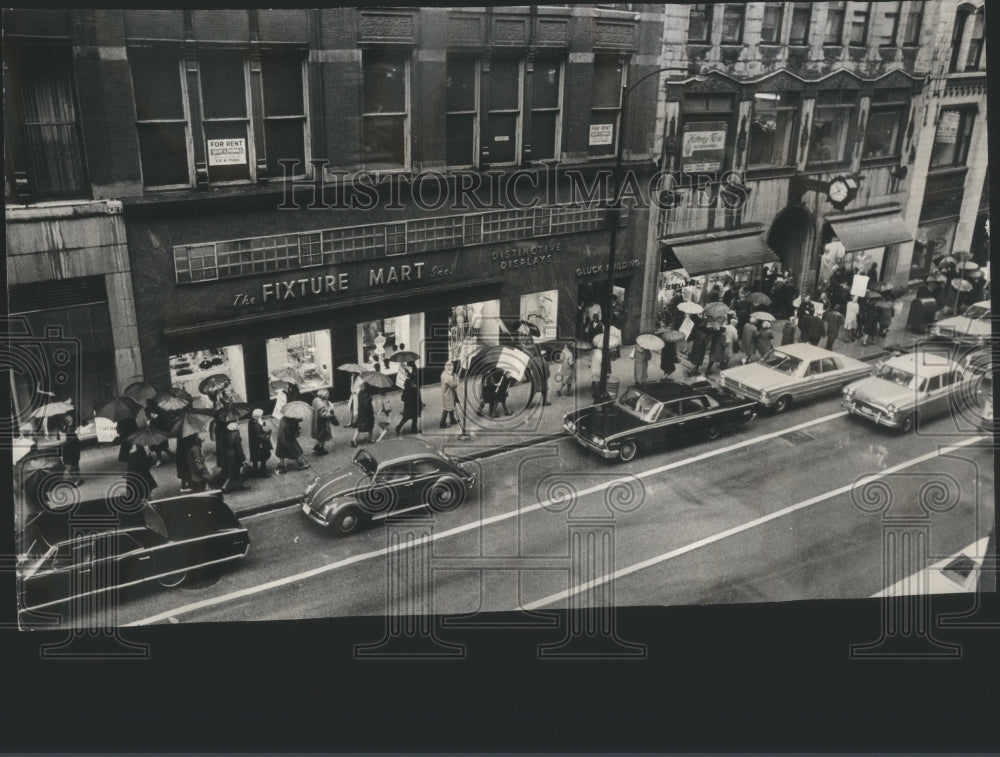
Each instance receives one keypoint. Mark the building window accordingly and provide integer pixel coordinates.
(503, 124)
(605, 104)
(771, 129)
(958, 34)
(974, 58)
(953, 137)
(886, 123)
(43, 129)
(226, 121)
(462, 106)
(705, 143)
(732, 23)
(546, 109)
(834, 34)
(303, 359)
(542, 309)
(801, 19)
(188, 369)
(770, 30)
(162, 119)
(700, 22)
(833, 123)
(385, 109)
(914, 22)
(285, 132)
(859, 24)
(890, 24)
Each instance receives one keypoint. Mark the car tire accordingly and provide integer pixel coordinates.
(907, 425)
(784, 402)
(346, 521)
(713, 432)
(629, 451)
(445, 495)
(172, 581)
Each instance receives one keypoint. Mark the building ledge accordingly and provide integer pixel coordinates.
(52, 211)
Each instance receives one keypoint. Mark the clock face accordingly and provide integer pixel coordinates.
(838, 191)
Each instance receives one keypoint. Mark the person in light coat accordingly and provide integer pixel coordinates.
(449, 393)
(640, 364)
(748, 341)
(765, 339)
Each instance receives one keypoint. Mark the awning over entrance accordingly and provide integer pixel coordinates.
(871, 232)
(714, 255)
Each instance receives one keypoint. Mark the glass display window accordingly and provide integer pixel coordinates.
(542, 309)
(378, 339)
(188, 369)
(471, 326)
(303, 358)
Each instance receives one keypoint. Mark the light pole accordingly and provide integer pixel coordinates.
(615, 210)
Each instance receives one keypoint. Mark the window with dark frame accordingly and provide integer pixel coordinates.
(953, 137)
(832, 126)
(606, 104)
(162, 120)
(771, 129)
(732, 23)
(546, 108)
(859, 24)
(890, 24)
(385, 109)
(462, 110)
(44, 139)
(285, 121)
(834, 34)
(914, 23)
(225, 115)
(770, 30)
(958, 34)
(700, 22)
(974, 58)
(801, 21)
(503, 127)
(886, 124)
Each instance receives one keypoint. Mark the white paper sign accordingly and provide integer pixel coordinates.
(947, 131)
(227, 152)
(687, 327)
(859, 286)
(601, 134)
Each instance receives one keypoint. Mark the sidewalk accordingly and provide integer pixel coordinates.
(528, 425)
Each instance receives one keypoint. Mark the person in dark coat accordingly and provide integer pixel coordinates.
(788, 332)
(366, 416)
(805, 306)
(235, 459)
(870, 324)
(742, 308)
(194, 463)
(765, 339)
(502, 390)
(717, 350)
(322, 418)
(288, 447)
(160, 422)
(699, 346)
(834, 321)
(748, 341)
(292, 392)
(125, 427)
(181, 463)
(487, 393)
(71, 452)
(668, 358)
(411, 404)
(259, 437)
(138, 478)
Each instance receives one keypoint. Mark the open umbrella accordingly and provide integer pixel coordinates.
(377, 380)
(671, 335)
(297, 409)
(214, 383)
(615, 339)
(173, 400)
(758, 300)
(649, 342)
(968, 265)
(691, 308)
(140, 391)
(191, 422)
(288, 374)
(762, 315)
(147, 437)
(351, 368)
(118, 409)
(404, 356)
(233, 411)
(716, 311)
(53, 408)
(583, 345)
(961, 285)
(945, 260)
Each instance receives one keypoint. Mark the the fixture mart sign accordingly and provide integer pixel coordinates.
(704, 147)
(227, 152)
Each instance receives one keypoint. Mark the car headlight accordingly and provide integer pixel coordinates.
(891, 409)
(980, 341)
(597, 440)
(570, 425)
(763, 396)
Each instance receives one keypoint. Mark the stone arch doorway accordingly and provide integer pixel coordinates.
(789, 237)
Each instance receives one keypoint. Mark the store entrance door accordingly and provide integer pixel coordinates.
(789, 238)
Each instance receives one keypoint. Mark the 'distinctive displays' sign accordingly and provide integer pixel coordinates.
(227, 152)
(704, 147)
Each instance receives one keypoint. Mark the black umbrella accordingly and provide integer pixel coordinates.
(404, 356)
(140, 391)
(233, 411)
(118, 409)
(189, 423)
(214, 384)
(173, 400)
(758, 300)
(377, 380)
(147, 437)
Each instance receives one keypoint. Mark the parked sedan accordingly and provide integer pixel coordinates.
(654, 413)
(924, 384)
(973, 327)
(63, 555)
(409, 476)
(793, 373)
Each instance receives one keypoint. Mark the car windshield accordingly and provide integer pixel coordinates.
(977, 312)
(895, 375)
(366, 462)
(154, 522)
(638, 404)
(32, 551)
(779, 361)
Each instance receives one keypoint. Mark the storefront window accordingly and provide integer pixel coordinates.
(188, 369)
(377, 340)
(542, 309)
(933, 241)
(472, 326)
(304, 359)
(771, 128)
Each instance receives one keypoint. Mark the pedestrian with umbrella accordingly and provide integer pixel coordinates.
(765, 339)
(834, 321)
(699, 345)
(288, 447)
(851, 312)
(449, 394)
(732, 338)
(52, 410)
(668, 355)
(159, 421)
(235, 459)
(366, 414)
(870, 323)
(716, 348)
(640, 364)
(487, 392)
(138, 478)
(125, 428)
(194, 464)
(748, 341)
(71, 451)
(411, 405)
(322, 418)
(383, 417)
(259, 437)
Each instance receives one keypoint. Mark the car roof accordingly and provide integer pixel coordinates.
(55, 527)
(403, 447)
(806, 351)
(663, 391)
(913, 364)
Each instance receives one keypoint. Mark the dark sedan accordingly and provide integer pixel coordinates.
(409, 475)
(655, 413)
(85, 549)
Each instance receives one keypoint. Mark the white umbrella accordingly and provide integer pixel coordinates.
(615, 339)
(649, 342)
(691, 308)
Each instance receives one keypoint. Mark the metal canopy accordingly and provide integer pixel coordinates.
(710, 256)
(871, 232)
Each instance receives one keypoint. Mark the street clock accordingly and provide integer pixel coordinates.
(840, 190)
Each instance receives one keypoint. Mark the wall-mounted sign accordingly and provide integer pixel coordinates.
(620, 265)
(501, 138)
(601, 134)
(947, 132)
(703, 149)
(227, 152)
(524, 257)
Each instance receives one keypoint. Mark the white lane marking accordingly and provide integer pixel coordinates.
(251, 590)
(932, 579)
(636, 567)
